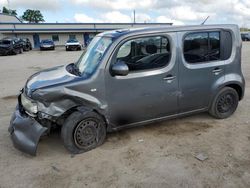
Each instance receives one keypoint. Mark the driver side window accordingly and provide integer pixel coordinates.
(145, 53)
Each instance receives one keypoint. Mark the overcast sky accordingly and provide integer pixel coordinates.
(178, 12)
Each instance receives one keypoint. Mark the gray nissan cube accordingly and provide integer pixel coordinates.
(132, 77)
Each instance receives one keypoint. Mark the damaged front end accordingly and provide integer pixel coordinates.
(25, 131)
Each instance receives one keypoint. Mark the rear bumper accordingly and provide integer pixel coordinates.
(47, 48)
(25, 132)
(73, 47)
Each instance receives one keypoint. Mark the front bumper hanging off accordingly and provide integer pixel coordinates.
(25, 132)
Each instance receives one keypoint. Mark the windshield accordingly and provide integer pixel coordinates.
(47, 41)
(72, 40)
(95, 51)
(5, 42)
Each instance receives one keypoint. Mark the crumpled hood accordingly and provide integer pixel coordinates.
(48, 77)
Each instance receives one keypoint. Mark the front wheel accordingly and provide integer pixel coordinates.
(20, 50)
(83, 131)
(225, 103)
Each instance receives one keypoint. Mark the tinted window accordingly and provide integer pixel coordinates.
(47, 42)
(226, 37)
(145, 53)
(196, 47)
(5, 42)
(202, 47)
(72, 41)
(214, 46)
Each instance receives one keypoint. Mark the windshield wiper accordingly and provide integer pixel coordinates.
(73, 69)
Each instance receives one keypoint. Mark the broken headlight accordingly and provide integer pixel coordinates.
(28, 105)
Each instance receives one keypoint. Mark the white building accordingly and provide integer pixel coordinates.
(11, 26)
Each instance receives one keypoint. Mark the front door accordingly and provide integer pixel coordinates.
(202, 67)
(149, 91)
(36, 40)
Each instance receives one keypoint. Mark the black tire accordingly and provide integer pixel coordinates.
(225, 103)
(83, 131)
(67, 49)
(15, 52)
(20, 50)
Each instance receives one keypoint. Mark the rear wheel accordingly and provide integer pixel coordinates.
(15, 52)
(83, 131)
(225, 103)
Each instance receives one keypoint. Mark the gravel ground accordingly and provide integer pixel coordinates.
(156, 155)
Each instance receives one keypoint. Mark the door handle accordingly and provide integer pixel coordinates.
(169, 78)
(217, 71)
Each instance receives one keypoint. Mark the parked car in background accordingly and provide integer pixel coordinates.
(245, 36)
(73, 44)
(26, 44)
(11, 46)
(47, 44)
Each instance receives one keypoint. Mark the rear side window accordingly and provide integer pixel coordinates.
(202, 47)
(226, 39)
(196, 47)
(207, 46)
(145, 53)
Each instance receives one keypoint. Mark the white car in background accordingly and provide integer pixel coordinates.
(73, 44)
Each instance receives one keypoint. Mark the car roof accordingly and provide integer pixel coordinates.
(131, 31)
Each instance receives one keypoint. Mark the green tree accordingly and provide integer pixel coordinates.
(33, 16)
(9, 11)
(5, 10)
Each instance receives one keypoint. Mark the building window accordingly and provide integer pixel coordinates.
(72, 37)
(55, 38)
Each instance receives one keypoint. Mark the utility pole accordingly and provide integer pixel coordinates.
(134, 16)
(8, 2)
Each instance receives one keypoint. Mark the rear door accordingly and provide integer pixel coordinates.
(202, 65)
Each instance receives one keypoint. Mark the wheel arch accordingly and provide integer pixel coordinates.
(66, 114)
(237, 88)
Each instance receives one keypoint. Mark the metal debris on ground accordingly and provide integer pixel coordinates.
(55, 168)
(201, 157)
(140, 140)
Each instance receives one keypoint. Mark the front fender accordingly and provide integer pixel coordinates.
(57, 103)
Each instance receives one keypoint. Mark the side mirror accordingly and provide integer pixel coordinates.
(120, 69)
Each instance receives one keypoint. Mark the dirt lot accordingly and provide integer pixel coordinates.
(157, 155)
